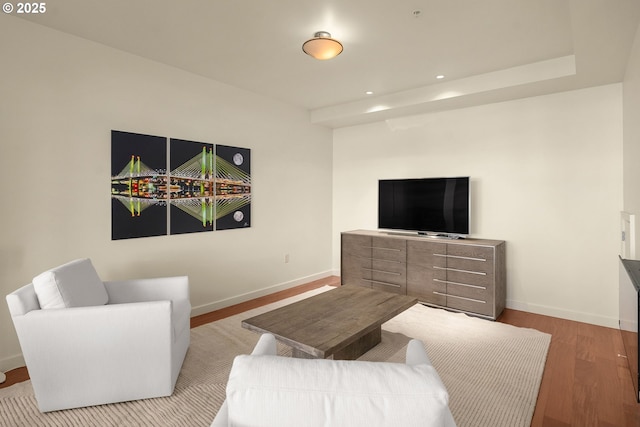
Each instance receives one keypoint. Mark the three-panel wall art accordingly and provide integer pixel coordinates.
(163, 186)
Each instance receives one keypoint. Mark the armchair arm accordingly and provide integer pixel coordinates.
(154, 289)
(416, 353)
(266, 346)
(107, 327)
(222, 416)
(23, 300)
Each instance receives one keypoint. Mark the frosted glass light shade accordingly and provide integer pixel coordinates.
(322, 46)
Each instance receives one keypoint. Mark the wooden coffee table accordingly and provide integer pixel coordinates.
(344, 322)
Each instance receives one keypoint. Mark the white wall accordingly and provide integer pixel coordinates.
(546, 177)
(60, 97)
(631, 108)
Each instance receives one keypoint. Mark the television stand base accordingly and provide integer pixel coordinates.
(441, 236)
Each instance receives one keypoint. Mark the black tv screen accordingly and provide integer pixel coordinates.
(438, 205)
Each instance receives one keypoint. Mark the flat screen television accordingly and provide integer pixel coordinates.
(425, 205)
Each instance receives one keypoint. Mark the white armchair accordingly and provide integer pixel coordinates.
(87, 342)
(269, 390)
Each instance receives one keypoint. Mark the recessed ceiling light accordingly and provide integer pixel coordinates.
(369, 92)
(439, 77)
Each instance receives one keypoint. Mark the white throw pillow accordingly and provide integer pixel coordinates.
(280, 391)
(75, 284)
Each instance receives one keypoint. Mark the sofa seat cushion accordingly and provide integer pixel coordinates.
(273, 390)
(75, 284)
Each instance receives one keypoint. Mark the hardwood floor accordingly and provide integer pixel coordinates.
(586, 380)
(15, 376)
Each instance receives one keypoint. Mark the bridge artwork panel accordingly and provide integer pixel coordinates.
(179, 187)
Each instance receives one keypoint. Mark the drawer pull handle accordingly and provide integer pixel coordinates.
(484, 288)
(461, 257)
(480, 273)
(381, 248)
(368, 258)
(381, 283)
(382, 271)
(387, 260)
(456, 296)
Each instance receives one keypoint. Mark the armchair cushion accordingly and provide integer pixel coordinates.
(273, 390)
(75, 284)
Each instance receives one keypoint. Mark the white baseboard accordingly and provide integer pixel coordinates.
(217, 305)
(562, 313)
(11, 362)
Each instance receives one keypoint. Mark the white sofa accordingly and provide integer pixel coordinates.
(87, 342)
(269, 390)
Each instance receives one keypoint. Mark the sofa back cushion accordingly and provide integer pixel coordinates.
(75, 284)
(274, 390)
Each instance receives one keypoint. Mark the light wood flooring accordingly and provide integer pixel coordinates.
(586, 381)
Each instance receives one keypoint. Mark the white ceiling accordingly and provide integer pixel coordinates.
(488, 50)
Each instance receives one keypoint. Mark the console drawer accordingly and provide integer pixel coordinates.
(472, 265)
(356, 270)
(424, 281)
(474, 292)
(388, 276)
(389, 249)
(470, 278)
(388, 287)
(426, 254)
(471, 251)
(356, 245)
(469, 305)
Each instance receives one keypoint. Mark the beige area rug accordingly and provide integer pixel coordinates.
(491, 370)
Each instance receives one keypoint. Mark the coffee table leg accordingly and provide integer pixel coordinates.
(359, 347)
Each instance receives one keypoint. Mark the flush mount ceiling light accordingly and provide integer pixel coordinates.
(322, 46)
